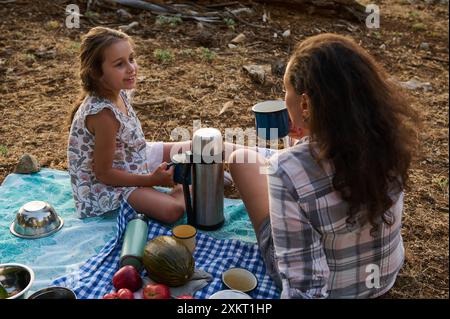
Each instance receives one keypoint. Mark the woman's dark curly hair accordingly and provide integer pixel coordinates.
(360, 120)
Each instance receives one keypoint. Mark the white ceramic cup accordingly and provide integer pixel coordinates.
(239, 279)
(229, 294)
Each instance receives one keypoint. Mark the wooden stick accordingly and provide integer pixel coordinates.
(225, 4)
(151, 103)
(245, 22)
(435, 59)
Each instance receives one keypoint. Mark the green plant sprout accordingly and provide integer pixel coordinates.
(230, 23)
(168, 20)
(3, 150)
(207, 54)
(442, 183)
(162, 55)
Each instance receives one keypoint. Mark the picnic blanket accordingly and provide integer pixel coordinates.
(64, 252)
(94, 278)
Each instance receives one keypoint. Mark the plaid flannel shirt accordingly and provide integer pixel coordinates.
(319, 253)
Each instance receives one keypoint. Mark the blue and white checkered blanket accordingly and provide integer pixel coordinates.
(94, 278)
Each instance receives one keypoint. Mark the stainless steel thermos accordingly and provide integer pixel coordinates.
(204, 167)
(207, 178)
(134, 242)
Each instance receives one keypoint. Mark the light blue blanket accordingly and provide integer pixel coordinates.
(62, 252)
(65, 251)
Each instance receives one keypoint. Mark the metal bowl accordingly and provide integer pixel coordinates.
(36, 219)
(54, 293)
(17, 279)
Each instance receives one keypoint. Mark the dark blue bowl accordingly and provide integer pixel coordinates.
(272, 119)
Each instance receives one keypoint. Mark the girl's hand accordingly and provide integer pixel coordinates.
(163, 176)
(295, 132)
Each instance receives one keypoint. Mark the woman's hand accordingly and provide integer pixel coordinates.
(163, 176)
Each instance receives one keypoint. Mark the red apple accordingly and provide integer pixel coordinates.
(185, 297)
(125, 293)
(111, 295)
(156, 291)
(127, 277)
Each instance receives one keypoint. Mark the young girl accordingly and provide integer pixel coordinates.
(328, 215)
(108, 157)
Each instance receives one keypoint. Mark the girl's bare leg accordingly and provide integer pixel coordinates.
(167, 208)
(245, 167)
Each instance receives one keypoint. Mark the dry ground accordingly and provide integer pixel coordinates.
(38, 85)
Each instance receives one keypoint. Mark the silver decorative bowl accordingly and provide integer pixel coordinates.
(54, 293)
(36, 219)
(16, 279)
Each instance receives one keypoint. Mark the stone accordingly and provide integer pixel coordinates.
(257, 72)
(124, 15)
(238, 39)
(278, 67)
(424, 46)
(286, 34)
(28, 164)
(414, 84)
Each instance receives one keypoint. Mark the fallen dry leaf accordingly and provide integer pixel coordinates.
(226, 106)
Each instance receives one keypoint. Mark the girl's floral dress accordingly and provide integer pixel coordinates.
(92, 197)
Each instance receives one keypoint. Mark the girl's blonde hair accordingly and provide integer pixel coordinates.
(91, 58)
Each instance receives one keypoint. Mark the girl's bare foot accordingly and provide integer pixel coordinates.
(178, 188)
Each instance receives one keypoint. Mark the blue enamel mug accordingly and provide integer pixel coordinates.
(182, 171)
(272, 119)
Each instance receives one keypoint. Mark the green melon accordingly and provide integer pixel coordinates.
(168, 261)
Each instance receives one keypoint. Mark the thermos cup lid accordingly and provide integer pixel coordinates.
(207, 143)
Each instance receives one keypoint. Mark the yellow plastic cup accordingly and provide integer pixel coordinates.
(185, 234)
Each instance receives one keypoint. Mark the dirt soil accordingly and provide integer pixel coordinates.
(198, 73)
